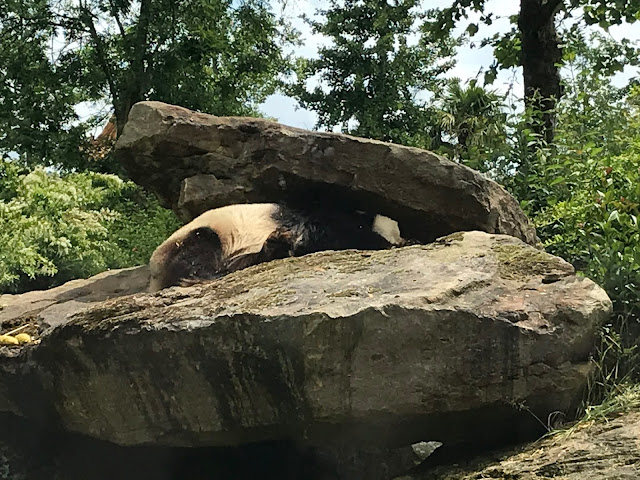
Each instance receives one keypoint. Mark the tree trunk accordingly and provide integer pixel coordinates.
(540, 58)
(136, 76)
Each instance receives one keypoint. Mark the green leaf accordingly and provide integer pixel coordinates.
(490, 76)
(614, 216)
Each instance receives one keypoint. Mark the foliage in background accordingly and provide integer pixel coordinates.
(55, 228)
(375, 77)
(583, 193)
(537, 44)
(219, 56)
(38, 96)
(474, 119)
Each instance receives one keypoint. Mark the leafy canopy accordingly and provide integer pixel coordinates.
(219, 56)
(474, 119)
(56, 228)
(374, 76)
(584, 194)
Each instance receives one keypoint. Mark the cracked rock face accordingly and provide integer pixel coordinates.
(194, 162)
(435, 342)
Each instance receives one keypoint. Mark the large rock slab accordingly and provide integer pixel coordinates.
(435, 342)
(194, 162)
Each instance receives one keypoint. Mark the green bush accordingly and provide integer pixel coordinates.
(54, 228)
(592, 189)
(597, 228)
(584, 198)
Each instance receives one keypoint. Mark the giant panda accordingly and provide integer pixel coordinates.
(234, 237)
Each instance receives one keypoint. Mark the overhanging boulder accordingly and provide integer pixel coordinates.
(194, 162)
(435, 342)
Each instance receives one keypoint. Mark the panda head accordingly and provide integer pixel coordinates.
(217, 242)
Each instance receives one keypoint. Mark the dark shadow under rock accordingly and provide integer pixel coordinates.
(30, 452)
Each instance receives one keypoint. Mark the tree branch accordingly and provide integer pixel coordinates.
(114, 14)
(87, 19)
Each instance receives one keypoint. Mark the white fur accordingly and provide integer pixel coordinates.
(387, 229)
(242, 229)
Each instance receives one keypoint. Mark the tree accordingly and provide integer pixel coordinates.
(220, 56)
(540, 57)
(536, 47)
(373, 78)
(475, 119)
(37, 94)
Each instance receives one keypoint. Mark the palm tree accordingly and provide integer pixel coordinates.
(474, 121)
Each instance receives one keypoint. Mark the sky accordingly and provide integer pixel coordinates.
(470, 61)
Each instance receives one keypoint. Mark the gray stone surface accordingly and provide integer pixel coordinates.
(195, 162)
(379, 349)
(52, 307)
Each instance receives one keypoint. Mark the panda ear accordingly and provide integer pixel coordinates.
(205, 235)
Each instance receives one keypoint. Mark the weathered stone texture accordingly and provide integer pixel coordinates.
(195, 162)
(608, 449)
(52, 307)
(388, 348)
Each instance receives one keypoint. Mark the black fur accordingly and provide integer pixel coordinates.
(199, 256)
(318, 230)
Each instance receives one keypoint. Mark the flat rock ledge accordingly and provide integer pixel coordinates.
(437, 342)
(194, 162)
(604, 450)
(48, 308)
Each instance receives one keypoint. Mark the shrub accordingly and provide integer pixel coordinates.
(587, 193)
(597, 228)
(54, 228)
